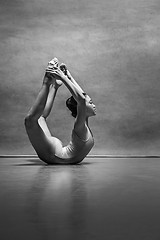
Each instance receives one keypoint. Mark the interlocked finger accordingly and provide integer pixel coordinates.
(53, 64)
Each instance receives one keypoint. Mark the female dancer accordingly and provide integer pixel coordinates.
(49, 148)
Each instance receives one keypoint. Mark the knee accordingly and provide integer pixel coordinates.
(29, 121)
(42, 118)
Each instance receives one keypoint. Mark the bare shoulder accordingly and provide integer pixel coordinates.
(81, 116)
(82, 132)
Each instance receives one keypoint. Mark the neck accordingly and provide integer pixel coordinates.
(87, 121)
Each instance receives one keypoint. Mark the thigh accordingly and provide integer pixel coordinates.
(44, 144)
(42, 123)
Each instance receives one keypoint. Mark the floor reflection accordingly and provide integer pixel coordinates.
(57, 202)
(107, 199)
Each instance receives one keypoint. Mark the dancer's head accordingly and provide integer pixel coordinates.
(72, 106)
(90, 107)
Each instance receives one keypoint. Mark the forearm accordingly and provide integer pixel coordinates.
(74, 89)
(75, 83)
(68, 74)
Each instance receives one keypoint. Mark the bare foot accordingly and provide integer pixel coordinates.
(64, 69)
(52, 65)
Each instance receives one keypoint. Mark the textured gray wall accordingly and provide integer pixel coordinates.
(112, 48)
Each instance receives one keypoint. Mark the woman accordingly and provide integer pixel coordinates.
(49, 148)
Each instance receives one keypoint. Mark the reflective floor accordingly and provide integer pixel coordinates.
(101, 199)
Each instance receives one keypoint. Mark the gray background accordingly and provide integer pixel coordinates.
(112, 49)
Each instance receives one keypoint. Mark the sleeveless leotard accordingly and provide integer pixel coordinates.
(76, 150)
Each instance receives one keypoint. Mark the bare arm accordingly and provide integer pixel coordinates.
(74, 81)
(63, 67)
(79, 125)
(77, 93)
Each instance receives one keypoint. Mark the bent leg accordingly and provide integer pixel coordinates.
(50, 101)
(38, 107)
(36, 127)
(44, 144)
(42, 123)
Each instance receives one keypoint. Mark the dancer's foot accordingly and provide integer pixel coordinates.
(52, 65)
(64, 69)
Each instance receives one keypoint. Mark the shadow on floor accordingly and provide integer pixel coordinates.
(38, 162)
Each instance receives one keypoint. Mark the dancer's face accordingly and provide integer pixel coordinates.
(90, 107)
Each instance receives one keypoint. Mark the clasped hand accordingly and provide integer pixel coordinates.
(55, 75)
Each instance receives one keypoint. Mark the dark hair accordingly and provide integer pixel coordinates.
(72, 105)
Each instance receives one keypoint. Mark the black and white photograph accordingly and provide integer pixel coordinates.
(79, 119)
